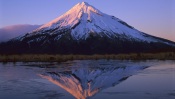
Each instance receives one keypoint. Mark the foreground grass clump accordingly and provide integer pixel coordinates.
(62, 58)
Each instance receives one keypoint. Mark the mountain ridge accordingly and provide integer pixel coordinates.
(86, 30)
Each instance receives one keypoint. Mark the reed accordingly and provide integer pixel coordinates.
(62, 58)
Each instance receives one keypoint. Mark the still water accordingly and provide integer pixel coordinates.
(94, 79)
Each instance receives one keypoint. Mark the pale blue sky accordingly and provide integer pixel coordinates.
(155, 17)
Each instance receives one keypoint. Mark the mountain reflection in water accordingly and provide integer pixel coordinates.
(84, 81)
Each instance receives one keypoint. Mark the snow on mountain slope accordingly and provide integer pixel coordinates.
(84, 19)
(86, 30)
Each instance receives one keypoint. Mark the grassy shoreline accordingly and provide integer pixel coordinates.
(62, 58)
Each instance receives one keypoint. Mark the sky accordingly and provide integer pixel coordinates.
(155, 17)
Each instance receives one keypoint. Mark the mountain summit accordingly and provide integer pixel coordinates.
(86, 30)
(84, 20)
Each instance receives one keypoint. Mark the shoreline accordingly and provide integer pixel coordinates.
(63, 58)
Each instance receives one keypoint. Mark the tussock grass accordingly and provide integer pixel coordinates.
(62, 58)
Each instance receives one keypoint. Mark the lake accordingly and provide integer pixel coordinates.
(94, 79)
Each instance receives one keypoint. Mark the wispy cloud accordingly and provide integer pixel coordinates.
(9, 32)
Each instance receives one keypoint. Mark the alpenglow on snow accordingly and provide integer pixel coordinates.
(86, 30)
(84, 19)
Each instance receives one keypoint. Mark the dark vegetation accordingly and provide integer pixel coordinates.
(62, 58)
(44, 47)
(66, 45)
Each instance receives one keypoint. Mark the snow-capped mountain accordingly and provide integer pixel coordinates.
(86, 30)
(84, 20)
(86, 81)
